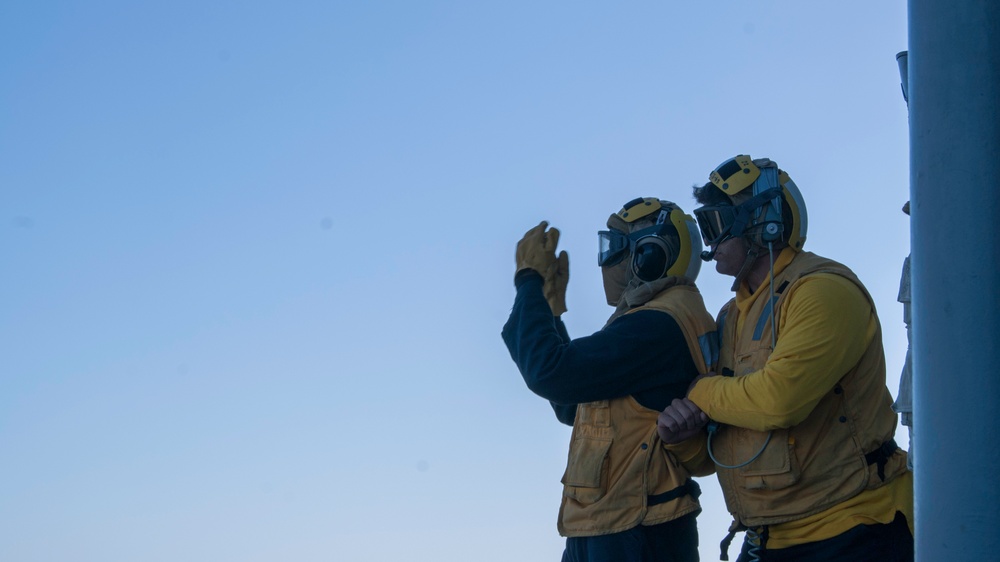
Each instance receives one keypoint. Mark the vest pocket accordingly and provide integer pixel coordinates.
(775, 468)
(586, 477)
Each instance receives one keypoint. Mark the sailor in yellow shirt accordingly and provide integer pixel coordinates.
(797, 419)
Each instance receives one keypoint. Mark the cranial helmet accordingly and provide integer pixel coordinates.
(656, 235)
(757, 189)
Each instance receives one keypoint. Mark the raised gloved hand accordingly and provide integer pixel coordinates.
(537, 249)
(556, 279)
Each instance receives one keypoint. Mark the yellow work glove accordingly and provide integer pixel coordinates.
(556, 279)
(537, 249)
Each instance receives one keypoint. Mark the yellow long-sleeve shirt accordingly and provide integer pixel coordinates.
(825, 326)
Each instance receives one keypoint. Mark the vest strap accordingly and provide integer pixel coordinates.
(881, 456)
(688, 488)
(724, 545)
(757, 540)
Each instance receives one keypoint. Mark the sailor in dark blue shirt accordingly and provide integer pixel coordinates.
(625, 497)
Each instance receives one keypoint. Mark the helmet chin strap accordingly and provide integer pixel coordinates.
(753, 252)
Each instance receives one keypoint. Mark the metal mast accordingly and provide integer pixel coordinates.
(954, 107)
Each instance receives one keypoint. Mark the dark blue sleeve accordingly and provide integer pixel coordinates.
(565, 413)
(642, 354)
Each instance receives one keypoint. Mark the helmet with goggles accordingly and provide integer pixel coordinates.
(770, 208)
(668, 246)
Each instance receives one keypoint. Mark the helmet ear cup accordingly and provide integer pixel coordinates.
(758, 225)
(763, 234)
(651, 259)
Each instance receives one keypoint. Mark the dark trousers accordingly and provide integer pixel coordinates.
(673, 541)
(865, 543)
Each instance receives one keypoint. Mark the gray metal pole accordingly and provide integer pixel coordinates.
(954, 106)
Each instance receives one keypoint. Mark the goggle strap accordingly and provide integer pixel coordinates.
(747, 207)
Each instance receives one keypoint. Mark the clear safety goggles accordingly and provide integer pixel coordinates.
(614, 245)
(716, 222)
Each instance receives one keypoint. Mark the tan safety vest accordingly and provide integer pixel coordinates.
(618, 474)
(822, 461)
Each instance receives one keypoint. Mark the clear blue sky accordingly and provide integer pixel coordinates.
(256, 255)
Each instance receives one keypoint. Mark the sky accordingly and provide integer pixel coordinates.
(256, 256)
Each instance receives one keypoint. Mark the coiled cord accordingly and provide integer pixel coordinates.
(753, 539)
(713, 428)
